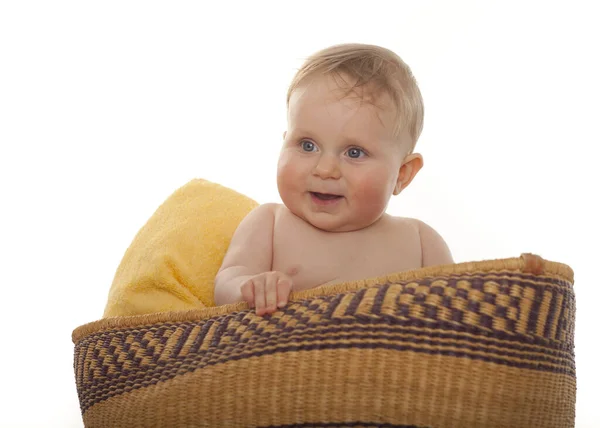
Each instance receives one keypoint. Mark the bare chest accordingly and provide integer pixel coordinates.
(313, 257)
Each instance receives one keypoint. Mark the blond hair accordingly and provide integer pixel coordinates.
(376, 69)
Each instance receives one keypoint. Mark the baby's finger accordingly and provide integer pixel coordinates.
(259, 296)
(248, 293)
(284, 289)
(271, 293)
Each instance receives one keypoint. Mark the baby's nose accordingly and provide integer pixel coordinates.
(327, 167)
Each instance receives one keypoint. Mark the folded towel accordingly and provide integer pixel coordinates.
(173, 260)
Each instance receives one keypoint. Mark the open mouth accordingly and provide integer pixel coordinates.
(325, 196)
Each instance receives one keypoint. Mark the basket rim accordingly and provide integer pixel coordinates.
(526, 263)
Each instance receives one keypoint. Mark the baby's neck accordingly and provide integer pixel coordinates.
(381, 221)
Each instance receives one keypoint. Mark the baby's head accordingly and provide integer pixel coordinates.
(355, 114)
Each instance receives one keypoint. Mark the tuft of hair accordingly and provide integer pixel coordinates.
(374, 70)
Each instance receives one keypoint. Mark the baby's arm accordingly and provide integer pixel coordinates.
(434, 250)
(250, 253)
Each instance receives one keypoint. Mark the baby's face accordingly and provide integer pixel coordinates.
(339, 163)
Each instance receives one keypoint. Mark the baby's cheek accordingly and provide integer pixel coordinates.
(292, 178)
(372, 189)
(287, 170)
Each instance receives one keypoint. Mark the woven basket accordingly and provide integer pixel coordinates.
(482, 344)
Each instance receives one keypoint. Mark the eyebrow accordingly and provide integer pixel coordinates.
(300, 131)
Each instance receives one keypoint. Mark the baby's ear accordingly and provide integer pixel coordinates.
(410, 167)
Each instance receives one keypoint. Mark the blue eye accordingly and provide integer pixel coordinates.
(355, 153)
(308, 146)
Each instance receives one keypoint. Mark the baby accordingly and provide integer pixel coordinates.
(354, 116)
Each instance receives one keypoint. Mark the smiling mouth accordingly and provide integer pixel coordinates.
(325, 196)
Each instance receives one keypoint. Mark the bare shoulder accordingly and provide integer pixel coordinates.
(404, 227)
(434, 249)
(270, 207)
(403, 224)
(251, 244)
(258, 221)
(264, 213)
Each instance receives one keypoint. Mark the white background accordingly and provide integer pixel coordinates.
(107, 107)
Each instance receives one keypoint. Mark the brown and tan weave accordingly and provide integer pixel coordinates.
(482, 344)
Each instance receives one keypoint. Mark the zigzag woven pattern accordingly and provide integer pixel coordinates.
(503, 321)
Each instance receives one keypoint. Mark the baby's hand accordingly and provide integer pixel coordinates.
(267, 291)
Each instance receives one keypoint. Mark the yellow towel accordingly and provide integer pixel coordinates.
(172, 262)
